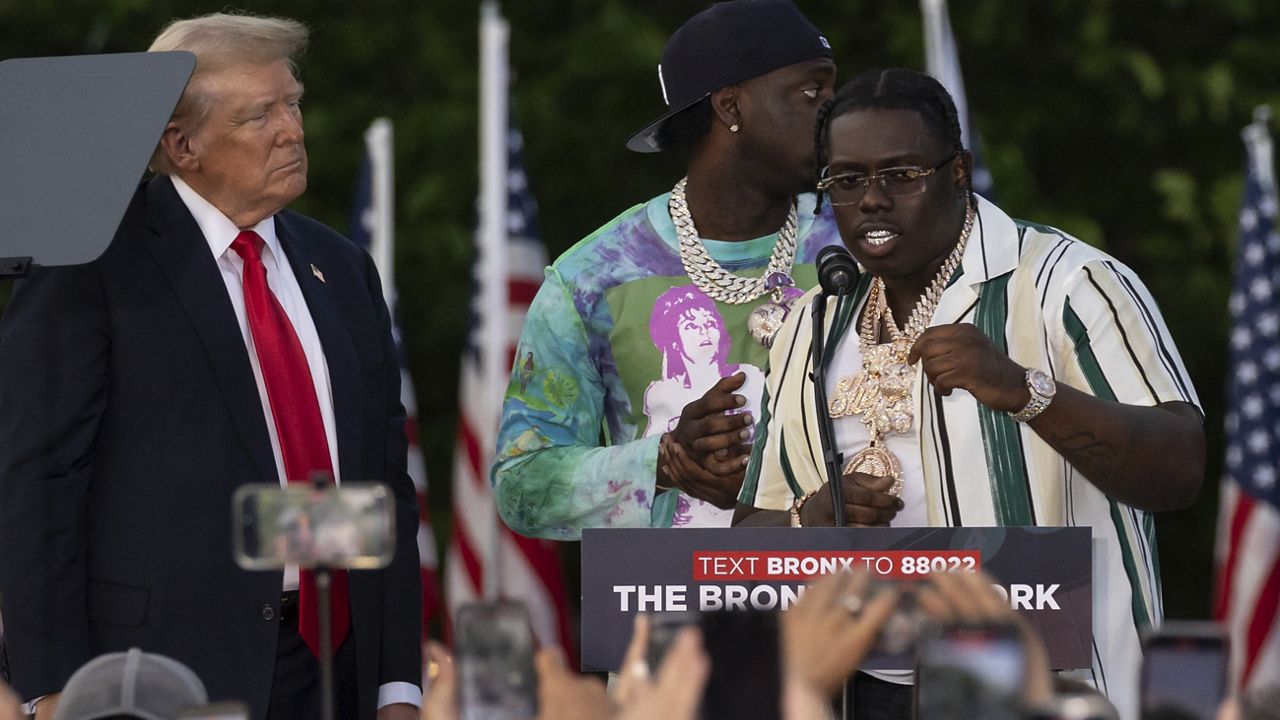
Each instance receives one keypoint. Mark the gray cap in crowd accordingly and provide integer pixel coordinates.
(135, 683)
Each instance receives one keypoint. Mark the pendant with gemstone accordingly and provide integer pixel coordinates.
(766, 320)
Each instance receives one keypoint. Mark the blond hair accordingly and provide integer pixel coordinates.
(221, 41)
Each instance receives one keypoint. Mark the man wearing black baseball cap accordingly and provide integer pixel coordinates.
(640, 368)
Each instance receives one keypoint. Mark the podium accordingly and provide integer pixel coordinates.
(1046, 572)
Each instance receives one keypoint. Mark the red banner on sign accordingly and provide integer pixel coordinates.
(734, 565)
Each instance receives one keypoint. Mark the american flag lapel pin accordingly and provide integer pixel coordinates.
(316, 271)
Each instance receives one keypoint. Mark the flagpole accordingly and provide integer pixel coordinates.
(494, 34)
(379, 144)
(943, 61)
(1257, 140)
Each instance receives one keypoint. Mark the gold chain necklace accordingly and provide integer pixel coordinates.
(880, 393)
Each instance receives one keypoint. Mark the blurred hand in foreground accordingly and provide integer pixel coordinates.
(10, 707)
(826, 635)
(564, 694)
(969, 598)
(676, 692)
(441, 700)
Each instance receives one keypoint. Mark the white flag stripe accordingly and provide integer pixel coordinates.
(527, 260)
(517, 573)
(514, 323)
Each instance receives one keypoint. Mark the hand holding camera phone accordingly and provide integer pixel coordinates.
(746, 670)
(970, 671)
(494, 659)
(348, 526)
(1184, 671)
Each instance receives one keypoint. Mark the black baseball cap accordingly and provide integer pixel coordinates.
(728, 43)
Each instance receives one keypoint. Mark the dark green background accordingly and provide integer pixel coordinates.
(1117, 121)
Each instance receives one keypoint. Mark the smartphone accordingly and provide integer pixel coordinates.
(746, 665)
(349, 526)
(969, 671)
(663, 627)
(494, 657)
(905, 625)
(1184, 670)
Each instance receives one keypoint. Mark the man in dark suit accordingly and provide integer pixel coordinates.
(220, 340)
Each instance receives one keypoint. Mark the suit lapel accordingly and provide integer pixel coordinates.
(183, 254)
(339, 352)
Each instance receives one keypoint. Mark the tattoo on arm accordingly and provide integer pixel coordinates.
(1089, 454)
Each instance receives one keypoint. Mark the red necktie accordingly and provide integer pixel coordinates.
(299, 426)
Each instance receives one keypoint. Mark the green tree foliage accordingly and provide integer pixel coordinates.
(1118, 122)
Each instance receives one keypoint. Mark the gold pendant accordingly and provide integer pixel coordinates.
(878, 462)
(852, 394)
(838, 405)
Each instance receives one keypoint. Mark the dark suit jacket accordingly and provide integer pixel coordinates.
(129, 415)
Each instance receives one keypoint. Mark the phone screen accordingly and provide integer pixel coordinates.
(746, 667)
(663, 627)
(496, 675)
(348, 526)
(1183, 676)
(970, 672)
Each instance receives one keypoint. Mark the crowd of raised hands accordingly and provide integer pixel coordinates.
(823, 640)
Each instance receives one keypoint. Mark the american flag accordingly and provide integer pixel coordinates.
(486, 560)
(1249, 520)
(372, 227)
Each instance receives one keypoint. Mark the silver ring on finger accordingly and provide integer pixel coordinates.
(852, 604)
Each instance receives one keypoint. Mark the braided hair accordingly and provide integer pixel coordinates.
(891, 89)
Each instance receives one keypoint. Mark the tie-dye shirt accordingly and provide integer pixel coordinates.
(616, 342)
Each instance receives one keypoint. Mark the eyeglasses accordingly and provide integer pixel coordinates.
(847, 188)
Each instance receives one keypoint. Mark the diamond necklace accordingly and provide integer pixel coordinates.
(723, 286)
(709, 275)
(880, 393)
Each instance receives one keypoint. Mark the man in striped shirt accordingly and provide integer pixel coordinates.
(1021, 377)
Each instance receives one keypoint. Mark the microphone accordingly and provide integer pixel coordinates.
(837, 270)
(837, 274)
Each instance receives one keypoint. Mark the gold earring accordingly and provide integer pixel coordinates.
(733, 127)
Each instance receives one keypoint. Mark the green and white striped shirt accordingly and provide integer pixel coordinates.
(1050, 302)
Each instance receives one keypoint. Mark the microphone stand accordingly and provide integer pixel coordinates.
(324, 583)
(323, 579)
(831, 457)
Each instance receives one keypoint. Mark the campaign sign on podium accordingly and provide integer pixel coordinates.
(1046, 572)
